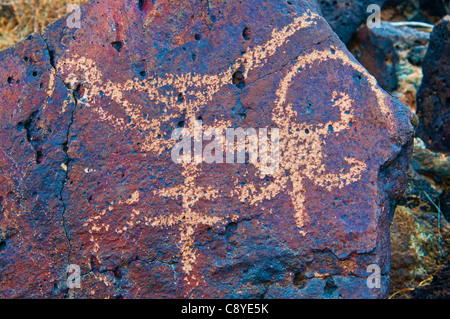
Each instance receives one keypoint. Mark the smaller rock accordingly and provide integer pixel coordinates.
(428, 163)
(430, 11)
(419, 192)
(346, 16)
(439, 287)
(433, 98)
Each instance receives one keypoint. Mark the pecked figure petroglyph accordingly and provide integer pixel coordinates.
(301, 148)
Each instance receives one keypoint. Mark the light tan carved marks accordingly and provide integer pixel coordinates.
(302, 148)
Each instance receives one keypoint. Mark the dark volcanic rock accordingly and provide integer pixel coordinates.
(87, 176)
(420, 233)
(393, 54)
(431, 164)
(433, 98)
(345, 16)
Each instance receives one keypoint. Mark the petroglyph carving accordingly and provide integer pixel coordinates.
(301, 148)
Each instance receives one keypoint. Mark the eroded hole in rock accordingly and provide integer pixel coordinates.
(117, 45)
(65, 147)
(197, 36)
(180, 124)
(247, 33)
(180, 97)
(10, 79)
(238, 79)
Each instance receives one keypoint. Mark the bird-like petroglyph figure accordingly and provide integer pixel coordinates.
(302, 155)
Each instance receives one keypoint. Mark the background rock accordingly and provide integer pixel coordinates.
(345, 16)
(420, 232)
(429, 11)
(433, 99)
(437, 288)
(393, 54)
(419, 240)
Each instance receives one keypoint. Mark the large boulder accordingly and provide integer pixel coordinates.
(394, 55)
(433, 98)
(89, 177)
